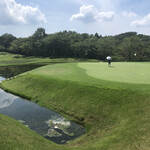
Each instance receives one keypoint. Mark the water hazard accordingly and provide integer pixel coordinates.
(43, 121)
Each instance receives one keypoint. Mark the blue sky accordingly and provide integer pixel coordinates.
(106, 17)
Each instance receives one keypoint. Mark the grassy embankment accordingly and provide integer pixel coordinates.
(15, 59)
(115, 114)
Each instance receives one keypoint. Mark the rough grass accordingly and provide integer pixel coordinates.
(15, 136)
(115, 116)
(15, 59)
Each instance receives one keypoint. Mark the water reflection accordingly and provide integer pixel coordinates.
(43, 121)
(10, 71)
(6, 99)
(2, 78)
(58, 123)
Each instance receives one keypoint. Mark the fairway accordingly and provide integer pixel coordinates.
(129, 72)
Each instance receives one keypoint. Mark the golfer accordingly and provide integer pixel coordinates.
(109, 60)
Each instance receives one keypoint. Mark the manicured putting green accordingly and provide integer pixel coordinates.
(131, 72)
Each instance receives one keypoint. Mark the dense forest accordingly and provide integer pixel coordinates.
(122, 47)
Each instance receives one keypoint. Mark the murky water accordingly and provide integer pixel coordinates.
(43, 121)
(10, 71)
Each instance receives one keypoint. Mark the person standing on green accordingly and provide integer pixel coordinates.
(109, 60)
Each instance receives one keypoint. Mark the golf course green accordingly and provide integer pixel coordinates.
(129, 72)
(113, 103)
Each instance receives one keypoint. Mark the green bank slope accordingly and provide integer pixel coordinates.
(115, 114)
(14, 59)
(15, 136)
(7, 59)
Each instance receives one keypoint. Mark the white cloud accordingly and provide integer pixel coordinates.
(143, 22)
(13, 13)
(88, 13)
(129, 14)
(108, 15)
(73, 30)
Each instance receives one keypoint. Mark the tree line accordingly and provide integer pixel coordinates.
(128, 46)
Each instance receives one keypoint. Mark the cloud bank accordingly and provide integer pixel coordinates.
(142, 22)
(129, 14)
(89, 14)
(14, 13)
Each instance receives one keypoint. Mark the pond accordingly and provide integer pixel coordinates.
(45, 122)
(10, 71)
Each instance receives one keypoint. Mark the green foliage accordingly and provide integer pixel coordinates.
(6, 40)
(121, 47)
(39, 33)
(2, 48)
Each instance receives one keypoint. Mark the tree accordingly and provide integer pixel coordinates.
(105, 47)
(6, 39)
(97, 35)
(72, 44)
(39, 33)
(2, 48)
(130, 46)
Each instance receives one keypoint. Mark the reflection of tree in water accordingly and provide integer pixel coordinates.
(10, 71)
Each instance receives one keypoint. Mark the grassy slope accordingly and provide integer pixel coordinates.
(16, 136)
(115, 116)
(15, 59)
